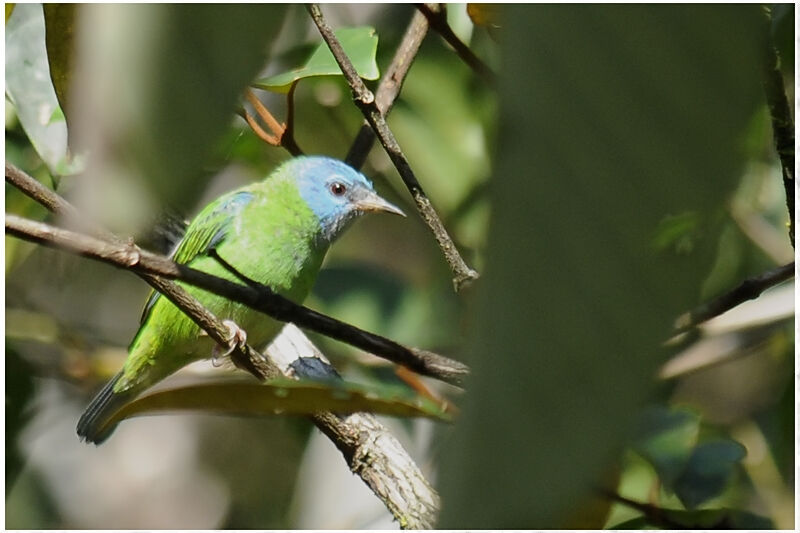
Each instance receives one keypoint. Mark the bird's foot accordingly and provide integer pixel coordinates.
(238, 339)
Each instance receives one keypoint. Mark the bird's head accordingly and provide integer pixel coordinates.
(336, 193)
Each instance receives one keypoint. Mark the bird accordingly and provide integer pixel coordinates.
(275, 232)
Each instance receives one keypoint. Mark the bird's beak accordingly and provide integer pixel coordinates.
(367, 200)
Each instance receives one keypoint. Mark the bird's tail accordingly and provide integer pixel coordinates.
(92, 424)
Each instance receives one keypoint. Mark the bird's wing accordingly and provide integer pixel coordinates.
(205, 232)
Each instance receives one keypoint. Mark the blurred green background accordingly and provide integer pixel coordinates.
(626, 163)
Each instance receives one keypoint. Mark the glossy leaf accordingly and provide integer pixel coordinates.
(281, 397)
(360, 44)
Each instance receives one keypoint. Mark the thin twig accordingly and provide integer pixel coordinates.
(781, 115)
(276, 127)
(749, 289)
(282, 134)
(287, 139)
(259, 131)
(389, 86)
(365, 101)
(130, 257)
(369, 449)
(653, 514)
(437, 18)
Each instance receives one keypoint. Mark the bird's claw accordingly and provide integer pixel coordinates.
(238, 339)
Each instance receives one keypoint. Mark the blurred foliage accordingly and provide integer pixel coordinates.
(619, 197)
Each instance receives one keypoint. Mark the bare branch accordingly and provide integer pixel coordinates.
(259, 131)
(389, 86)
(130, 257)
(437, 18)
(365, 101)
(369, 448)
(282, 134)
(749, 289)
(781, 115)
(287, 140)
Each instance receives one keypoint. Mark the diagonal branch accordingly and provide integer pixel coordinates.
(437, 18)
(389, 86)
(130, 257)
(781, 115)
(365, 101)
(749, 289)
(369, 449)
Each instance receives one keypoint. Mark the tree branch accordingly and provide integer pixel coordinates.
(369, 449)
(389, 86)
(781, 115)
(130, 257)
(749, 289)
(365, 101)
(437, 18)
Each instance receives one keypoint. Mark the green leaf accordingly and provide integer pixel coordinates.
(708, 471)
(30, 89)
(575, 303)
(666, 438)
(59, 21)
(360, 44)
(281, 396)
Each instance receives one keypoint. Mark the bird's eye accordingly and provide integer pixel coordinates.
(337, 188)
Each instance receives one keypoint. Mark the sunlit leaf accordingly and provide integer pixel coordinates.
(281, 397)
(360, 44)
(9, 10)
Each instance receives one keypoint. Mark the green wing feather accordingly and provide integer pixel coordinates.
(207, 230)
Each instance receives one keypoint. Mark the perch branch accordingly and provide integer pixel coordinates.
(369, 449)
(437, 18)
(131, 257)
(781, 115)
(749, 289)
(389, 86)
(365, 101)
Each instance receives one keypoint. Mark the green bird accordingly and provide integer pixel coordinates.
(275, 232)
